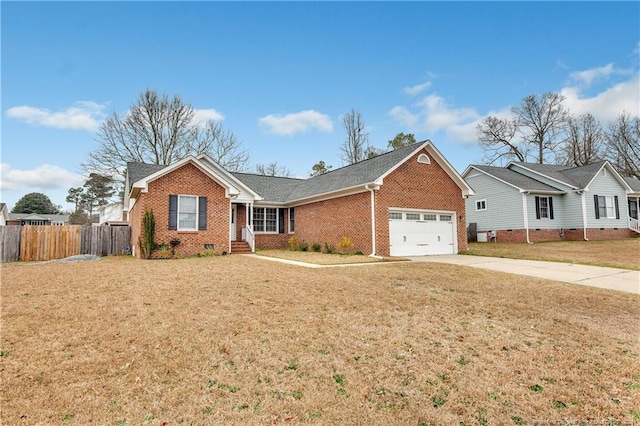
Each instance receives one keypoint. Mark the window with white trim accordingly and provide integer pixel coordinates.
(265, 219)
(413, 216)
(431, 217)
(187, 213)
(395, 216)
(481, 205)
(445, 218)
(606, 207)
(292, 220)
(422, 158)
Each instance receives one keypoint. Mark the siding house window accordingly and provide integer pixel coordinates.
(606, 207)
(187, 213)
(544, 208)
(481, 205)
(265, 219)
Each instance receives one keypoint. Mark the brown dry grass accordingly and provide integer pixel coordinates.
(238, 340)
(613, 253)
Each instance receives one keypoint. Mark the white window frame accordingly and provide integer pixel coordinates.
(179, 213)
(481, 205)
(544, 209)
(292, 220)
(609, 206)
(264, 220)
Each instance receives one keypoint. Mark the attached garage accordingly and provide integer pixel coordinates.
(420, 233)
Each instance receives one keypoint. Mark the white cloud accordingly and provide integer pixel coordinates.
(83, 115)
(203, 115)
(417, 89)
(606, 105)
(588, 76)
(403, 116)
(41, 178)
(294, 123)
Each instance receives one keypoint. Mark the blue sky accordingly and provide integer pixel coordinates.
(280, 75)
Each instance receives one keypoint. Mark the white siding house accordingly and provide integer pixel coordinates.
(535, 202)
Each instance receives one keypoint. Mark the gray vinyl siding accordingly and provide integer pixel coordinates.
(571, 211)
(545, 222)
(607, 185)
(504, 204)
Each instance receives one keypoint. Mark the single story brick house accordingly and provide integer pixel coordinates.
(410, 201)
(529, 202)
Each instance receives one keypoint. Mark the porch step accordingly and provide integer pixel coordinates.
(240, 247)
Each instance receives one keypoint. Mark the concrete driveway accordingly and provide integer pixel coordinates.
(594, 276)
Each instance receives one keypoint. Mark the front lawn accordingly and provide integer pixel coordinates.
(241, 340)
(613, 253)
(322, 258)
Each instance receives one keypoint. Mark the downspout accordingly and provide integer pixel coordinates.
(525, 215)
(584, 215)
(373, 223)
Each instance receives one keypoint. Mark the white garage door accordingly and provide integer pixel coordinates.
(413, 233)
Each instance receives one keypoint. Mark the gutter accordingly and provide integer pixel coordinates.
(525, 215)
(373, 220)
(584, 214)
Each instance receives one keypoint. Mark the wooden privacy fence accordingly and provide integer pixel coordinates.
(33, 242)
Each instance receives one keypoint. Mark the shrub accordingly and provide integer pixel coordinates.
(316, 247)
(329, 248)
(147, 245)
(303, 246)
(293, 243)
(345, 244)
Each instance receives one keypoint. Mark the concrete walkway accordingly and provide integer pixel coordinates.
(594, 276)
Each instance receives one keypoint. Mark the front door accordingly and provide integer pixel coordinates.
(633, 209)
(232, 225)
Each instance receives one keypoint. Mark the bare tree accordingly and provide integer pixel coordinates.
(623, 144)
(158, 130)
(585, 143)
(354, 148)
(496, 138)
(273, 169)
(221, 145)
(542, 121)
(534, 131)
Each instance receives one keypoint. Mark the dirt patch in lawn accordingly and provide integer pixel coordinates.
(613, 253)
(324, 258)
(240, 340)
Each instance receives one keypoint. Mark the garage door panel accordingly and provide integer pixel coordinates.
(420, 238)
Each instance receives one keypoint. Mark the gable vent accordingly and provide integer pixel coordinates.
(422, 158)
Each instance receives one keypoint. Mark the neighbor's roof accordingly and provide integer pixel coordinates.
(516, 179)
(577, 177)
(633, 182)
(38, 216)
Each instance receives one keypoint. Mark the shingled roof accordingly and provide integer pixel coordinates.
(578, 177)
(633, 182)
(282, 189)
(516, 179)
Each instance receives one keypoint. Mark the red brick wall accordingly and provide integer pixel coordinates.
(412, 185)
(520, 235)
(418, 186)
(330, 220)
(186, 180)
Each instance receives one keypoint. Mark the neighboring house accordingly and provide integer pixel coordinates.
(111, 214)
(38, 219)
(4, 214)
(406, 202)
(633, 199)
(534, 202)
